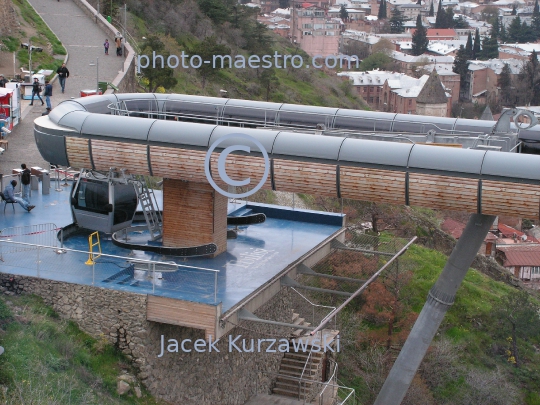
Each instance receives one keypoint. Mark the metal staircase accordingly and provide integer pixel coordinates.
(150, 208)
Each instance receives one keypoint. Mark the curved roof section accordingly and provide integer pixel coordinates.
(113, 126)
(370, 152)
(514, 165)
(363, 120)
(265, 137)
(180, 133)
(307, 145)
(422, 123)
(446, 159)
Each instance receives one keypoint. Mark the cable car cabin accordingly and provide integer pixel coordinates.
(102, 205)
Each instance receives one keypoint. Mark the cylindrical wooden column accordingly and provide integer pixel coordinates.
(193, 214)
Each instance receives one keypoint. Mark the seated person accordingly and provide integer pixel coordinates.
(9, 195)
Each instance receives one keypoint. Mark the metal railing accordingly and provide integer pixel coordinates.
(325, 308)
(348, 394)
(41, 234)
(109, 271)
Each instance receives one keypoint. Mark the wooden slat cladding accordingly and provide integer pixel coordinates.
(305, 177)
(183, 313)
(240, 167)
(520, 200)
(175, 163)
(77, 151)
(122, 155)
(443, 192)
(364, 184)
(193, 214)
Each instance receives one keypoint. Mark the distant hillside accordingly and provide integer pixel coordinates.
(210, 27)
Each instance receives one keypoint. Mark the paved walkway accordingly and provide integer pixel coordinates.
(83, 40)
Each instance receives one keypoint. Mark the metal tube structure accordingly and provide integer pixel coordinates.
(440, 298)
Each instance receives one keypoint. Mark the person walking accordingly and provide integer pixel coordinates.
(118, 42)
(63, 74)
(9, 194)
(3, 81)
(36, 90)
(25, 182)
(48, 94)
(106, 45)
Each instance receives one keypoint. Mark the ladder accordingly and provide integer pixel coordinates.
(150, 208)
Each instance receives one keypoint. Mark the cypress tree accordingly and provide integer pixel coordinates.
(439, 20)
(505, 83)
(432, 11)
(535, 22)
(514, 10)
(476, 45)
(382, 11)
(449, 18)
(469, 47)
(461, 65)
(420, 41)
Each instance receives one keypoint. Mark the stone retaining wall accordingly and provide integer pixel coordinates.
(180, 378)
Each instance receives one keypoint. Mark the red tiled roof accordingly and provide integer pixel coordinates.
(441, 32)
(452, 227)
(508, 232)
(521, 255)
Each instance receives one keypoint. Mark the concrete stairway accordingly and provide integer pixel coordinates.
(290, 371)
(299, 321)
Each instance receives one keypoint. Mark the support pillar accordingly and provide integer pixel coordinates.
(440, 298)
(193, 214)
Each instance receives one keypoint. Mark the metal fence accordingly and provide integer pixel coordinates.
(109, 271)
(42, 234)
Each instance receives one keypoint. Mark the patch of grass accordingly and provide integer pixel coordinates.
(32, 18)
(12, 44)
(49, 360)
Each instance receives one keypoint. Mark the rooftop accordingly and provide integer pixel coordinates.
(433, 91)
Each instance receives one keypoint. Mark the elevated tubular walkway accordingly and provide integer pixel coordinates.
(83, 133)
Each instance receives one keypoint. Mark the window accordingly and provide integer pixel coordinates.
(535, 270)
(307, 26)
(125, 203)
(410, 103)
(93, 196)
(319, 13)
(330, 33)
(307, 33)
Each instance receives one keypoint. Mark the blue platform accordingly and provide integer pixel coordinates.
(258, 254)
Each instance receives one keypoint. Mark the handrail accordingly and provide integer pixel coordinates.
(114, 256)
(288, 377)
(308, 360)
(313, 306)
(334, 373)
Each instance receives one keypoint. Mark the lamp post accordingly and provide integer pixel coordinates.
(97, 74)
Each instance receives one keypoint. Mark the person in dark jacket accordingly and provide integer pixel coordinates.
(48, 94)
(9, 195)
(36, 90)
(26, 176)
(3, 81)
(63, 74)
